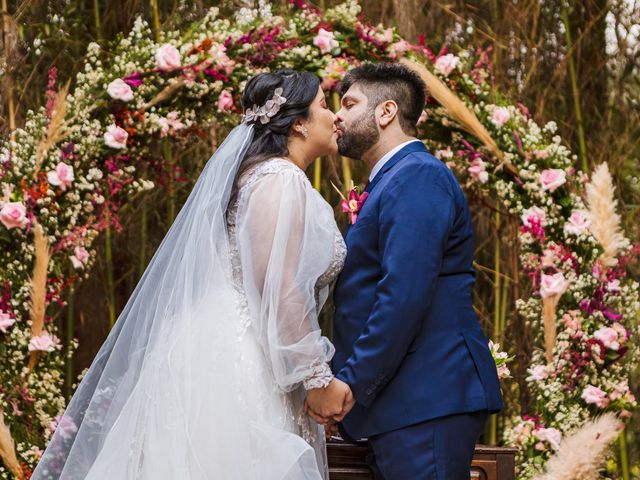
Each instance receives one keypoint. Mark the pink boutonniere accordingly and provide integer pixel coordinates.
(354, 203)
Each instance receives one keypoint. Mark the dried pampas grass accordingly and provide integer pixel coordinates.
(165, 94)
(582, 454)
(605, 221)
(458, 111)
(56, 130)
(549, 305)
(38, 286)
(8, 449)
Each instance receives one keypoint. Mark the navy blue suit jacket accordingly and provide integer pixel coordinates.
(407, 340)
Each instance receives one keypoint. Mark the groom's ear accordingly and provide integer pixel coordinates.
(388, 112)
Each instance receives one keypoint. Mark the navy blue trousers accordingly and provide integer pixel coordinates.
(439, 449)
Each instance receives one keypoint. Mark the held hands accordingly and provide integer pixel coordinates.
(329, 404)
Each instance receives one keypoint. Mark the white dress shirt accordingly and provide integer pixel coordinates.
(386, 157)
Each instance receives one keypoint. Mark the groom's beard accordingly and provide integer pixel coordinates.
(362, 135)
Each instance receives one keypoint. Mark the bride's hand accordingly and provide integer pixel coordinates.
(325, 403)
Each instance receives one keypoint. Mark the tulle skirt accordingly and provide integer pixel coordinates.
(206, 406)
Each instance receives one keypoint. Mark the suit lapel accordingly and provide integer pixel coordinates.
(403, 152)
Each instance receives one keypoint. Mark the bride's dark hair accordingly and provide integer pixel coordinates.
(270, 139)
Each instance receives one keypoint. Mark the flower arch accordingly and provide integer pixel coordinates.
(68, 172)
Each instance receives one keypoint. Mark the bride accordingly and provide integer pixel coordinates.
(205, 373)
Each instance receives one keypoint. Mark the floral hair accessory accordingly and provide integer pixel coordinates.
(266, 111)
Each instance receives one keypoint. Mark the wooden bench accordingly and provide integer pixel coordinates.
(347, 462)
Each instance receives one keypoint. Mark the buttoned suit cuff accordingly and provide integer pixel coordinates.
(364, 395)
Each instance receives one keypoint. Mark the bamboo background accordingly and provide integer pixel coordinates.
(574, 62)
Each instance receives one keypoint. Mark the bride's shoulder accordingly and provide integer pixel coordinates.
(270, 167)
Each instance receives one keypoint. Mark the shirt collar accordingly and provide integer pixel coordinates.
(387, 156)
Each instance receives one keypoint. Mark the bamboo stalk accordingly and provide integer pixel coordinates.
(9, 89)
(347, 178)
(68, 380)
(156, 19)
(624, 457)
(108, 251)
(171, 194)
(142, 253)
(317, 173)
(497, 303)
(96, 18)
(575, 90)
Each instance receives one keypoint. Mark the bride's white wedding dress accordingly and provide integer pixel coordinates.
(218, 393)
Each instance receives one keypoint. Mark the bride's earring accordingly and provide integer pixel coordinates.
(304, 132)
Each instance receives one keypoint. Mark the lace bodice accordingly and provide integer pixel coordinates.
(248, 179)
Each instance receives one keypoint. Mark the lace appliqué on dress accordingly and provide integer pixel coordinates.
(320, 376)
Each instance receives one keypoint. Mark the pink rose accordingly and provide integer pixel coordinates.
(219, 54)
(477, 170)
(444, 154)
(549, 435)
(324, 41)
(500, 116)
(533, 216)
(225, 101)
(620, 390)
(503, 372)
(167, 57)
(45, 342)
(446, 64)
(13, 214)
(609, 337)
(552, 178)
(64, 425)
(398, 49)
(537, 373)
(613, 285)
(170, 124)
(80, 257)
(572, 320)
(62, 176)
(549, 258)
(578, 223)
(116, 137)
(5, 321)
(120, 90)
(386, 36)
(523, 431)
(423, 117)
(595, 396)
(551, 285)
(333, 73)
(541, 154)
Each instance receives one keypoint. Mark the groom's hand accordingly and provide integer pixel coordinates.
(331, 403)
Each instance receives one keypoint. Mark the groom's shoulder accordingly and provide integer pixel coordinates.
(422, 165)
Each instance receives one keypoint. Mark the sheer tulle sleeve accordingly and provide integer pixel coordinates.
(285, 239)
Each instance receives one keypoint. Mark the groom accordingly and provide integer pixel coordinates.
(408, 343)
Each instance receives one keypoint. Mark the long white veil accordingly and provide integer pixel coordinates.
(188, 276)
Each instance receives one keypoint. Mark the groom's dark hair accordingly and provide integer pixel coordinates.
(390, 81)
